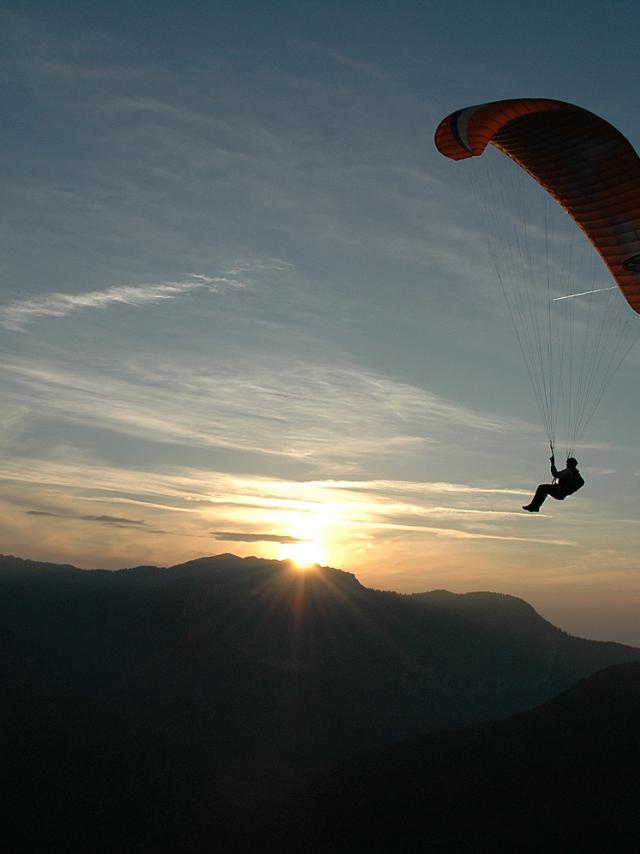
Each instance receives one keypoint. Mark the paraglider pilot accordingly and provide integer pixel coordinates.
(566, 482)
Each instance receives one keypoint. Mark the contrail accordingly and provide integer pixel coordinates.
(584, 293)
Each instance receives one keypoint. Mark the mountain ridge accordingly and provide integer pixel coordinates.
(229, 680)
(439, 597)
(561, 776)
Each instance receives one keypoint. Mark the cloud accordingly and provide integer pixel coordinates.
(229, 536)
(317, 415)
(336, 56)
(458, 534)
(112, 520)
(238, 504)
(46, 513)
(18, 313)
(409, 486)
(116, 521)
(13, 421)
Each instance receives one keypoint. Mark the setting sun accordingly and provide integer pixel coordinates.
(309, 534)
(303, 554)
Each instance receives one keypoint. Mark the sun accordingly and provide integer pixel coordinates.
(303, 554)
(306, 540)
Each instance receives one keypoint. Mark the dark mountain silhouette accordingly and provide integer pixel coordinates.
(147, 706)
(562, 777)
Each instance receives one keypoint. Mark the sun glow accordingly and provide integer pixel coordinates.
(303, 554)
(309, 535)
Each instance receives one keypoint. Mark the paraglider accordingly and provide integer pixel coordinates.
(566, 482)
(573, 328)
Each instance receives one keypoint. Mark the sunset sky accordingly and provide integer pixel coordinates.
(244, 305)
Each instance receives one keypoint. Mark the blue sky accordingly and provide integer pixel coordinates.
(244, 304)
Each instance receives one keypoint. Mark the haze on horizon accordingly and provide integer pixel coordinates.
(244, 305)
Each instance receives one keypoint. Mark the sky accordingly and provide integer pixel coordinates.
(246, 306)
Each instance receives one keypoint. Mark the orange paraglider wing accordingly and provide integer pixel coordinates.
(581, 160)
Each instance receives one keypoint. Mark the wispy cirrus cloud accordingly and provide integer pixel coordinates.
(313, 413)
(337, 57)
(184, 489)
(17, 314)
(461, 534)
(193, 499)
(409, 486)
(13, 420)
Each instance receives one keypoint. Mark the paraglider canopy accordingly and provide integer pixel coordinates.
(580, 159)
(574, 330)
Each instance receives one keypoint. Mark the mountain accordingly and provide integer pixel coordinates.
(140, 702)
(562, 777)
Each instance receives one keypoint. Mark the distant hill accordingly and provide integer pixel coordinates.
(562, 777)
(135, 702)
